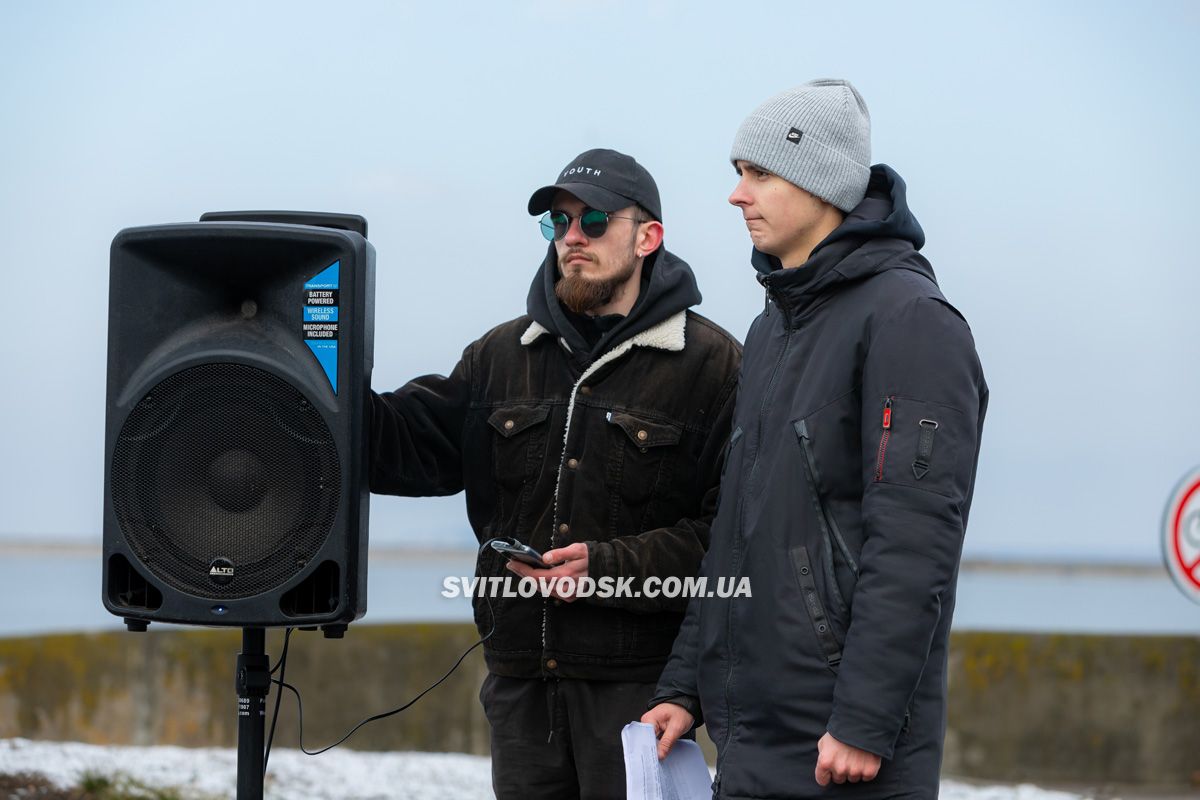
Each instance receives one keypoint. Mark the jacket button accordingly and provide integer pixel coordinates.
(551, 664)
(642, 436)
(804, 570)
(573, 463)
(564, 528)
(508, 424)
(585, 390)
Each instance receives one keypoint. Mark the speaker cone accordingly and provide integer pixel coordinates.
(225, 481)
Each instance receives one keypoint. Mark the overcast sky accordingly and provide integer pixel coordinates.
(1048, 150)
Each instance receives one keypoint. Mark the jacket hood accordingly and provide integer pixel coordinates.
(879, 227)
(668, 287)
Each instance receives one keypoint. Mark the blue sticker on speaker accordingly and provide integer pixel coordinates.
(326, 278)
(326, 353)
(320, 314)
(321, 319)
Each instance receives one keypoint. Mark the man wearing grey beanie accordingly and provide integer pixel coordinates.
(848, 481)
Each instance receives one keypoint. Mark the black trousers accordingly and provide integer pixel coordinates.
(560, 739)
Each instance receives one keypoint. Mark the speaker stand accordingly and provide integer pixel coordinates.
(253, 684)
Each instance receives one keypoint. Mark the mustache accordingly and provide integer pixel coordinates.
(575, 252)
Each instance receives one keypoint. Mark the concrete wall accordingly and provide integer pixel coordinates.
(174, 686)
(1087, 709)
(1084, 709)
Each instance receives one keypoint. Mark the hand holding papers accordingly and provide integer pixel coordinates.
(682, 775)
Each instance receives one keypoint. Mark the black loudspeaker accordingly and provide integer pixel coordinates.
(239, 363)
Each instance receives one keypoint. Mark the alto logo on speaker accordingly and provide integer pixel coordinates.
(221, 571)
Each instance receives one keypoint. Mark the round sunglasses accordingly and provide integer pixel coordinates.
(593, 223)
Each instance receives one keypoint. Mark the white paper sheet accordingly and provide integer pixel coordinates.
(682, 775)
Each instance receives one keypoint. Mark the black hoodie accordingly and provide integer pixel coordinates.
(668, 287)
(845, 501)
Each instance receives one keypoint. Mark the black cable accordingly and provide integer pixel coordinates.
(280, 665)
(283, 656)
(385, 715)
(300, 703)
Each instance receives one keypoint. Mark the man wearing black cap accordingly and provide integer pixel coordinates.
(592, 429)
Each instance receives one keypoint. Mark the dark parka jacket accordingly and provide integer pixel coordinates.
(619, 446)
(845, 501)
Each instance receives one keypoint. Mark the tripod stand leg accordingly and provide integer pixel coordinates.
(253, 683)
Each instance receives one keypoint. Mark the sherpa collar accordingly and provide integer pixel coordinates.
(666, 335)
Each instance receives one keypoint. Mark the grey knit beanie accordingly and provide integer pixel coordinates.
(817, 136)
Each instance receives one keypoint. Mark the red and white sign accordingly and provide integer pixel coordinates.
(1181, 536)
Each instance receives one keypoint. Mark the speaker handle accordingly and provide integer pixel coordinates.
(342, 222)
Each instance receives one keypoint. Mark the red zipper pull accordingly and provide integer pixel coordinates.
(883, 438)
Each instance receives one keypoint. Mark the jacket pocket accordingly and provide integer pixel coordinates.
(520, 444)
(920, 444)
(830, 532)
(811, 597)
(640, 455)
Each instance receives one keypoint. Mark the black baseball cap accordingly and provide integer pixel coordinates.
(606, 181)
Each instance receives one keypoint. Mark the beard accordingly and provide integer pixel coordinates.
(582, 294)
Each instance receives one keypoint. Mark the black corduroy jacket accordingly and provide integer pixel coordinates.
(623, 453)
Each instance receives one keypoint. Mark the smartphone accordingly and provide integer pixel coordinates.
(521, 552)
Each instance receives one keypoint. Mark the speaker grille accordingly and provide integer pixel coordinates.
(225, 481)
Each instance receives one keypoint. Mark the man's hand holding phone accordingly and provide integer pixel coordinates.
(512, 549)
(562, 562)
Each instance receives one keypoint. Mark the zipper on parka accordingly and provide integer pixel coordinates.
(829, 526)
(762, 412)
(883, 440)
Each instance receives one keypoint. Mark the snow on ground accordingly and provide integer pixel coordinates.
(337, 775)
